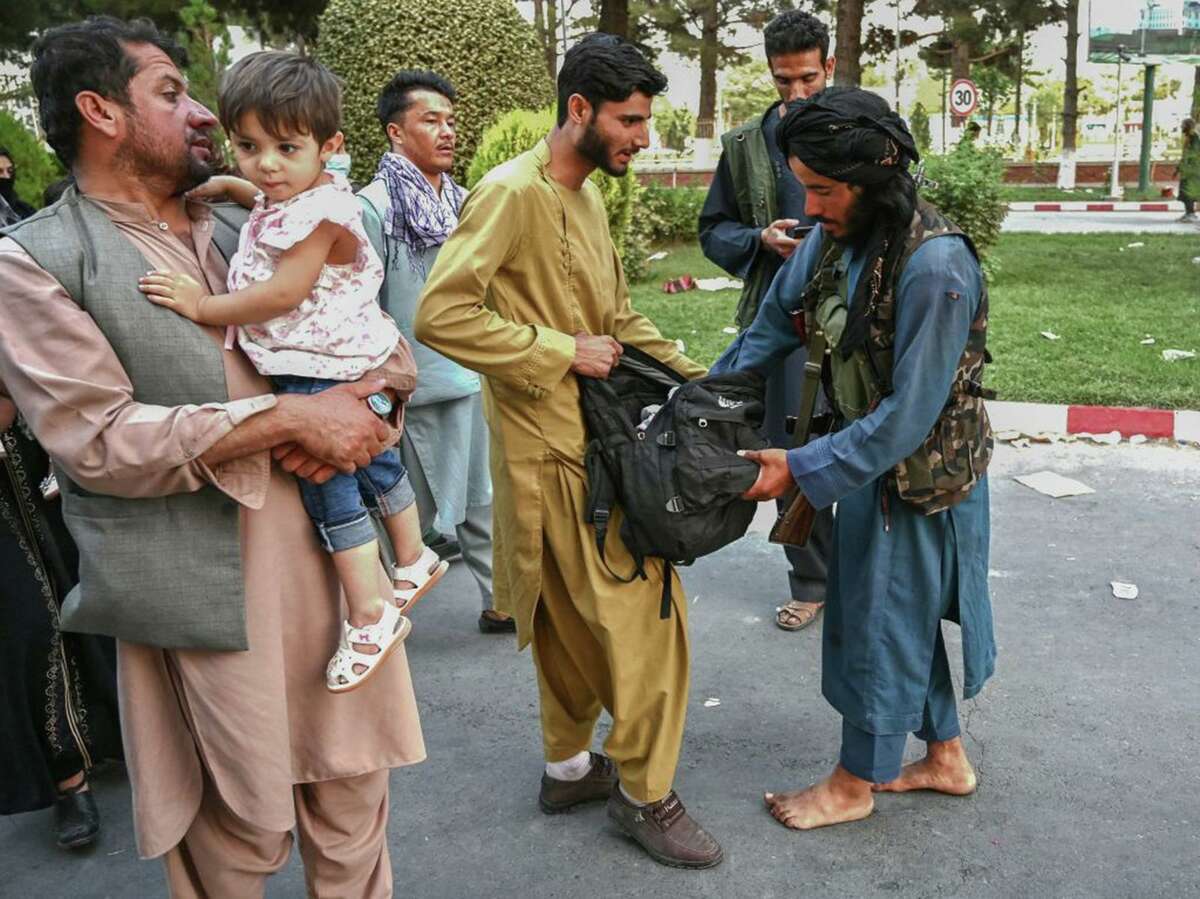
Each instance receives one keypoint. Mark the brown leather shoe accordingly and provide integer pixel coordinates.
(559, 796)
(666, 831)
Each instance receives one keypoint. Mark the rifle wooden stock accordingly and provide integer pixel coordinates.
(795, 523)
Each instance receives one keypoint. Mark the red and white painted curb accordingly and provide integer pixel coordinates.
(1098, 206)
(1046, 418)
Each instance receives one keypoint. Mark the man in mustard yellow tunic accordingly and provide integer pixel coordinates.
(529, 292)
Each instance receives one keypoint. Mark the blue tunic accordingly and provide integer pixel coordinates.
(893, 576)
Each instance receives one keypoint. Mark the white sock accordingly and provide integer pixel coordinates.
(573, 768)
(631, 800)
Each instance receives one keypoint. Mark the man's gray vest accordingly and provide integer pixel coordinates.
(164, 571)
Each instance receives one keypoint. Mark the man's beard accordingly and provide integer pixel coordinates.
(593, 148)
(154, 160)
(860, 222)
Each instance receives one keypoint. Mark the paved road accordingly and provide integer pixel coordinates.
(1085, 740)
(1097, 222)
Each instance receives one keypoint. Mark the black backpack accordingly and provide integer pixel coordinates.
(677, 476)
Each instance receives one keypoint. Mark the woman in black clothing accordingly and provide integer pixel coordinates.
(12, 207)
(58, 705)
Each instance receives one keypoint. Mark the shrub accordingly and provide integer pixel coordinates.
(965, 184)
(669, 214)
(37, 167)
(484, 47)
(518, 131)
(918, 123)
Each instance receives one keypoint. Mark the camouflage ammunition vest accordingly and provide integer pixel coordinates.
(955, 455)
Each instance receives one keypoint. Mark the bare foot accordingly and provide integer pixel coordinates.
(839, 798)
(945, 769)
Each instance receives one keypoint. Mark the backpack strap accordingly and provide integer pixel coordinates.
(602, 495)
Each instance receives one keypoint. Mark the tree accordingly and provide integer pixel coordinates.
(545, 25)
(848, 69)
(278, 22)
(486, 49)
(749, 90)
(23, 21)
(674, 124)
(700, 29)
(995, 88)
(207, 41)
(614, 18)
(1070, 104)
(918, 122)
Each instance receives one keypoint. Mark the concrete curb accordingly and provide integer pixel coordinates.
(1048, 418)
(1098, 206)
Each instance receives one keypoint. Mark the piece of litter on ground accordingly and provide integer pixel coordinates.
(1007, 435)
(1124, 591)
(1043, 437)
(729, 330)
(1196, 260)
(751, 619)
(1138, 439)
(1134, 245)
(1112, 438)
(712, 702)
(1148, 341)
(1020, 443)
(1053, 484)
(682, 346)
(1050, 335)
(695, 599)
(719, 284)
(654, 257)
(1177, 355)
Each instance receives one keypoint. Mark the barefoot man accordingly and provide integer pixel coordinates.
(894, 291)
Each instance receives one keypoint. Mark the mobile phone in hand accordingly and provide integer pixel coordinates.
(799, 232)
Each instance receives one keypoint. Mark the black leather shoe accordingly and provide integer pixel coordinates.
(447, 549)
(558, 796)
(490, 625)
(76, 819)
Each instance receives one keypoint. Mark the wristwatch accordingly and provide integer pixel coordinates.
(380, 404)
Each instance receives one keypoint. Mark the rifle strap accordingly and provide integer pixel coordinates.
(818, 343)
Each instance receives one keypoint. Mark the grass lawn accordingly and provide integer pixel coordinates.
(1048, 193)
(1101, 301)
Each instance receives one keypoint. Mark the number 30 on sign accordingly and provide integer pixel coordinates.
(964, 97)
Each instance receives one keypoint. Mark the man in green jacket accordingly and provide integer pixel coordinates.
(749, 227)
(1189, 170)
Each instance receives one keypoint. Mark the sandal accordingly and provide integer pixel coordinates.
(797, 614)
(422, 574)
(385, 635)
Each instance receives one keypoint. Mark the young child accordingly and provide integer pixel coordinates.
(302, 289)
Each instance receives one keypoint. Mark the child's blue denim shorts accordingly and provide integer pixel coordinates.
(339, 508)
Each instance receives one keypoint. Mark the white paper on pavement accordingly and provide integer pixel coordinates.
(1053, 484)
(1124, 591)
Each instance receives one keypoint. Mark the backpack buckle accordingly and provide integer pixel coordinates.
(675, 504)
(666, 438)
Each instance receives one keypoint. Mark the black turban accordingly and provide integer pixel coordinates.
(847, 134)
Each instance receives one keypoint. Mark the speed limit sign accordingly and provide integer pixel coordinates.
(964, 97)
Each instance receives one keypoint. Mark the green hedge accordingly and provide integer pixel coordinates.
(965, 184)
(518, 131)
(37, 167)
(670, 214)
(484, 47)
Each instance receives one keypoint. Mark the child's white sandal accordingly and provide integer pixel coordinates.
(422, 574)
(385, 635)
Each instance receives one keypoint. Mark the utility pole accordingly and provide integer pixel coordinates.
(1115, 187)
(897, 57)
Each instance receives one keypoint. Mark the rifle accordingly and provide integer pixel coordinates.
(794, 525)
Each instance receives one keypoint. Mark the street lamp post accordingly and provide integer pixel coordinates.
(1115, 187)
